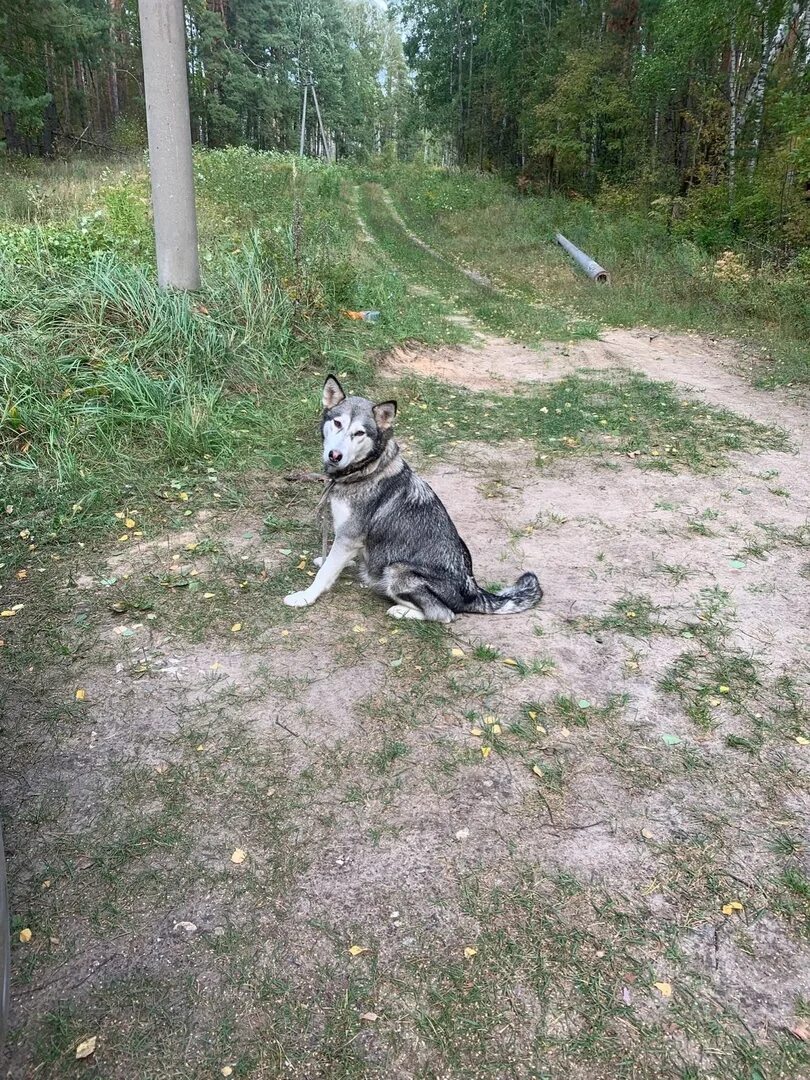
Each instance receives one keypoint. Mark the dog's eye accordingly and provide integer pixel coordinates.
(357, 434)
(337, 424)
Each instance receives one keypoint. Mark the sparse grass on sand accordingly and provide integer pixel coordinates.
(255, 842)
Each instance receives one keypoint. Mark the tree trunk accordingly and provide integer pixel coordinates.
(772, 47)
(733, 60)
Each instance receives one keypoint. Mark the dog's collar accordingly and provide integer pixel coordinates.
(353, 474)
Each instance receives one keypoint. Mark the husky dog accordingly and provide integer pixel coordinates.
(387, 516)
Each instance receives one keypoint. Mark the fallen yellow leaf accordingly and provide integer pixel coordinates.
(183, 496)
(238, 856)
(459, 653)
(226, 1070)
(121, 539)
(81, 695)
(355, 950)
(802, 741)
(360, 629)
(477, 731)
(489, 720)
(208, 595)
(496, 729)
(7, 614)
(565, 733)
(486, 751)
(86, 1048)
(724, 689)
(647, 834)
(510, 662)
(237, 626)
(540, 729)
(470, 952)
(130, 523)
(120, 515)
(665, 988)
(25, 936)
(537, 770)
(532, 715)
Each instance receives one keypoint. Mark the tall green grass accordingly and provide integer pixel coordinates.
(108, 382)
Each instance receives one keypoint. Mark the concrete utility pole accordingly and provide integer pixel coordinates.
(303, 121)
(163, 41)
(320, 123)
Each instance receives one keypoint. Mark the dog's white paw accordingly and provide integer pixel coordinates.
(298, 599)
(399, 611)
(318, 560)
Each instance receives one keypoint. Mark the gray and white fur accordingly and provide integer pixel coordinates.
(395, 524)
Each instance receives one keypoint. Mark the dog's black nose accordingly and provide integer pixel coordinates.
(335, 456)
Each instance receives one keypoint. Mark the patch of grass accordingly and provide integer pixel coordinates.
(391, 752)
(787, 844)
(705, 681)
(636, 616)
(529, 928)
(677, 573)
(791, 898)
(581, 415)
(486, 652)
(563, 710)
(504, 311)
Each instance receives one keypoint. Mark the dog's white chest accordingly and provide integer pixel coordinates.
(340, 513)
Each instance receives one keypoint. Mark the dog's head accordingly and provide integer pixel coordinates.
(354, 429)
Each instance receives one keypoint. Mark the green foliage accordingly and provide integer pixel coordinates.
(74, 67)
(247, 68)
(700, 102)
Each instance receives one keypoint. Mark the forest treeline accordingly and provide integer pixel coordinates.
(699, 109)
(71, 73)
(703, 105)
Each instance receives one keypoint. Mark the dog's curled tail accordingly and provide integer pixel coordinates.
(521, 596)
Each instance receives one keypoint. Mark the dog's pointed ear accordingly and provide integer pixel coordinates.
(332, 392)
(384, 414)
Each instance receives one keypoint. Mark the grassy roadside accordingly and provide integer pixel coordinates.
(659, 278)
(117, 393)
(110, 384)
(510, 312)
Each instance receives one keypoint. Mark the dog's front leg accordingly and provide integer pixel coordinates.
(342, 553)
